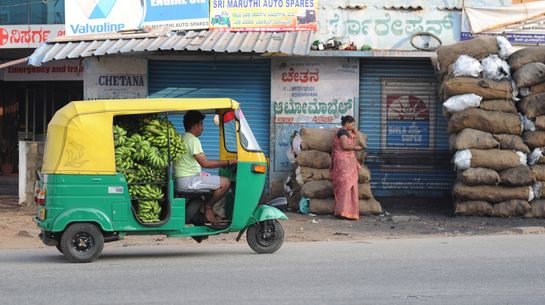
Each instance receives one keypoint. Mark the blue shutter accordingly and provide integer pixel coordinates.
(248, 82)
(397, 169)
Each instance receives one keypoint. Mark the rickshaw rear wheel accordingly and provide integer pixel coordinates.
(82, 242)
(265, 236)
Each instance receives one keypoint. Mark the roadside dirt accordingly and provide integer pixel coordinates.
(17, 231)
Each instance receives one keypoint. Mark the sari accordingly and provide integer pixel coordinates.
(344, 177)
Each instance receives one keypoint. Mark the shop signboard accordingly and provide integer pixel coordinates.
(115, 77)
(310, 93)
(62, 70)
(105, 16)
(263, 15)
(24, 36)
(388, 29)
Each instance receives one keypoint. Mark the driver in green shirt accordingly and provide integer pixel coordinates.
(187, 170)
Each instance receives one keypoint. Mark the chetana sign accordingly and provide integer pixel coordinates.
(28, 36)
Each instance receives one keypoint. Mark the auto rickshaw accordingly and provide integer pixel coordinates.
(83, 201)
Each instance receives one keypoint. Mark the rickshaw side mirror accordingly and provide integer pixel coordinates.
(216, 119)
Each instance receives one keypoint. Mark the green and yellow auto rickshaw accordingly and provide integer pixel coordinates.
(85, 200)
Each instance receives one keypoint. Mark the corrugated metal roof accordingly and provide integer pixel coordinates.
(397, 4)
(291, 43)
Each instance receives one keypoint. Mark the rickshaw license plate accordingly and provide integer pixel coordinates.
(42, 213)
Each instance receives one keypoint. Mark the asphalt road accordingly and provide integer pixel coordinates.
(481, 270)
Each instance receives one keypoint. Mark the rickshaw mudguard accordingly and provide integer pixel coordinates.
(82, 215)
(265, 212)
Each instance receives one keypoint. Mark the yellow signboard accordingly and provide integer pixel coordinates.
(263, 15)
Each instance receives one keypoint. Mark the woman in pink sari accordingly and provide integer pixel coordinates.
(344, 170)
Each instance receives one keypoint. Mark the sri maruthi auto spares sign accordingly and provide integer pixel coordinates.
(105, 16)
(28, 36)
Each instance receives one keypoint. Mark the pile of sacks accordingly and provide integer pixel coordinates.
(309, 183)
(487, 132)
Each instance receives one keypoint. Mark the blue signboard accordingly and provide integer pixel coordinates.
(407, 122)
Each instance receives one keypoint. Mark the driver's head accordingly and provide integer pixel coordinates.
(192, 118)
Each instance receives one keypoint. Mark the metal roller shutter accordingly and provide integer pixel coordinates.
(248, 82)
(408, 144)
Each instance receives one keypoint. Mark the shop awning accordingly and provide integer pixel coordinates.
(289, 43)
(13, 62)
(482, 19)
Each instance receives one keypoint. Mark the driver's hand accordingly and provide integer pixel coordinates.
(233, 161)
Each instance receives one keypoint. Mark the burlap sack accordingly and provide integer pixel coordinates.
(479, 176)
(364, 175)
(540, 122)
(535, 89)
(495, 159)
(517, 176)
(305, 174)
(317, 189)
(511, 208)
(487, 88)
(478, 48)
(489, 121)
(327, 206)
(370, 206)
(473, 208)
(525, 56)
(317, 138)
(534, 139)
(361, 140)
(499, 105)
(314, 159)
(490, 193)
(530, 74)
(472, 138)
(537, 209)
(532, 106)
(512, 142)
(539, 171)
(364, 191)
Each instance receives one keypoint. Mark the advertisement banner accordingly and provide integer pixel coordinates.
(69, 70)
(263, 15)
(28, 36)
(106, 16)
(526, 32)
(310, 93)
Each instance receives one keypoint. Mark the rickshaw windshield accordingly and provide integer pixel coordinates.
(247, 138)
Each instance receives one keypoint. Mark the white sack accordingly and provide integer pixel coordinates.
(467, 66)
(495, 68)
(527, 124)
(505, 47)
(296, 143)
(291, 155)
(462, 102)
(462, 159)
(537, 189)
(531, 194)
(522, 157)
(534, 156)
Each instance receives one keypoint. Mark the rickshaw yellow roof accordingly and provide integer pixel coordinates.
(80, 137)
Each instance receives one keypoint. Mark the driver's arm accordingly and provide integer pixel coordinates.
(201, 159)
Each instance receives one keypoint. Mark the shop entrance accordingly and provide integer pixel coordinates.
(25, 110)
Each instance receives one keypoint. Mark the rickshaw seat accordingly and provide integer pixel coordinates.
(193, 194)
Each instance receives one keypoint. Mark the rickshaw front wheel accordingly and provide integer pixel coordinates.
(265, 236)
(82, 242)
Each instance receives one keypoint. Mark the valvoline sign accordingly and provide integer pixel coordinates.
(104, 16)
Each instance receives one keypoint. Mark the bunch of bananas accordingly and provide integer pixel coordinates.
(141, 154)
(120, 136)
(149, 211)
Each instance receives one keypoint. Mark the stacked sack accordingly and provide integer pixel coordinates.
(528, 66)
(485, 128)
(309, 178)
